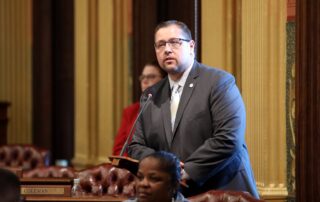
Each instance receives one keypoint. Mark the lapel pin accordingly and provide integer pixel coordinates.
(191, 85)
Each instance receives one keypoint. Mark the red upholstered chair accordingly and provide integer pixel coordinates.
(223, 196)
(106, 179)
(50, 172)
(24, 156)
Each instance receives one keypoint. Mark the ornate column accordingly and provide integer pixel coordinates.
(248, 39)
(264, 90)
(16, 67)
(101, 69)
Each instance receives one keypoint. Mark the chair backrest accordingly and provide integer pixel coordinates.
(50, 172)
(223, 196)
(24, 156)
(102, 179)
(108, 180)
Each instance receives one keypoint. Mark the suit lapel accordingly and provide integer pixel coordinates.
(186, 94)
(166, 114)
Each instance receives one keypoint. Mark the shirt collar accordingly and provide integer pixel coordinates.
(183, 79)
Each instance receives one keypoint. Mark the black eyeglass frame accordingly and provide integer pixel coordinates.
(171, 43)
(148, 76)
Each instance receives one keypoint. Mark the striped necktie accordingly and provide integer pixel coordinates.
(175, 99)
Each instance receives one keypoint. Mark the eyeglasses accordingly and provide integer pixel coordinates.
(148, 77)
(174, 43)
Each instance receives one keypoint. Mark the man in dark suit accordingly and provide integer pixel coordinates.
(206, 130)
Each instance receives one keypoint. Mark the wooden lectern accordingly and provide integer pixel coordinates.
(125, 162)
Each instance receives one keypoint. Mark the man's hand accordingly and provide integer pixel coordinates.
(184, 175)
(184, 183)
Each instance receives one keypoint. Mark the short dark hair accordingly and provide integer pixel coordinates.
(9, 186)
(169, 163)
(185, 30)
(156, 64)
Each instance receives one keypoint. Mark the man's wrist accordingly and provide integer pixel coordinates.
(185, 175)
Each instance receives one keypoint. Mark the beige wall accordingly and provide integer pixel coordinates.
(247, 38)
(16, 67)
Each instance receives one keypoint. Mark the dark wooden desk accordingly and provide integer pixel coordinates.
(73, 199)
(46, 187)
(44, 183)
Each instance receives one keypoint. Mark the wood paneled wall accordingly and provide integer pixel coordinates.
(53, 76)
(308, 100)
(41, 71)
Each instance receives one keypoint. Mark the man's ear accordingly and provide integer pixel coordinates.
(192, 43)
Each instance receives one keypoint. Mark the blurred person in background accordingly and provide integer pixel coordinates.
(151, 74)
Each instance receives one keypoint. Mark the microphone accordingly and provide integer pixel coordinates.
(127, 162)
(125, 145)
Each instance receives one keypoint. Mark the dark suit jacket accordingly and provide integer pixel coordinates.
(209, 130)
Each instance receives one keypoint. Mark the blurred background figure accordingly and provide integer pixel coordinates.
(151, 74)
(9, 186)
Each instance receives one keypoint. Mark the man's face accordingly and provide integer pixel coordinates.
(153, 184)
(174, 51)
